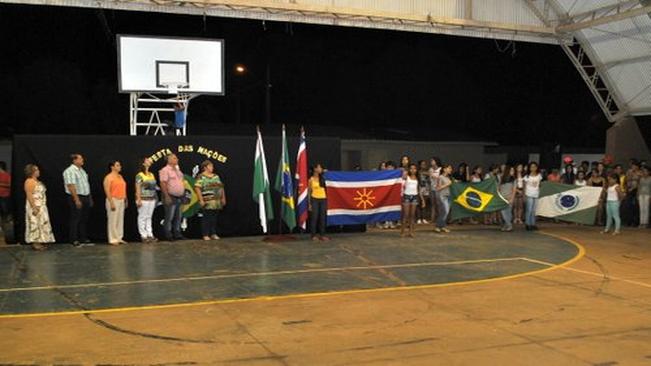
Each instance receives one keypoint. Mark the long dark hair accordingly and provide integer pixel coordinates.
(141, 164)
(409, 169)
(111, 164)
(322, 182)
(533, 163)
(445, 166)
(506, 174)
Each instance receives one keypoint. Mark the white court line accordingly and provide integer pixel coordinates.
(255, 274)
(643, 284)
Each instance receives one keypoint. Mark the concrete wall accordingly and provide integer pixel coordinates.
(624, 141)
(371, 152)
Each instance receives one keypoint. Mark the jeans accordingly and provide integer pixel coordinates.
(433, 203)
(507, 216)
(209, 222)
(78, 220)
(318, 216)
(530, 211)
(173, 218)
(145, 214)
(444, 209)
(643, 201)
(612, 214)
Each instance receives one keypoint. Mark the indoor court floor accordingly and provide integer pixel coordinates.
(566, 295)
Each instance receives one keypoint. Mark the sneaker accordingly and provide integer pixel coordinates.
(604, 232)
(206, 238)
(437, 230)
(324, 238)
(445, 230)
(393, 226)
(419, 221)
(214, 237)
(76, 244)
(616, 232)
(425, 222)
(386, 225)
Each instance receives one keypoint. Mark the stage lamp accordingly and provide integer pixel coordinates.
(240, 69)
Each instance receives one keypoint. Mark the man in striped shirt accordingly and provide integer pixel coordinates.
(80, 200)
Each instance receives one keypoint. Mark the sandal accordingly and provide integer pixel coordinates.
(38, 247)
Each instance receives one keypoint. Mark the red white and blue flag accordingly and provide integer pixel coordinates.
(302, 180)
(363, 197)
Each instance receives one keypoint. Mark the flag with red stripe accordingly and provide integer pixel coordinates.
(363, 197)
(301, 182)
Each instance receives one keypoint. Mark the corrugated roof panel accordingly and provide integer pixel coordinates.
(507, 11)
(634, 85)
(623, 50)
(625, 39)
(573, 7)
(441, 8)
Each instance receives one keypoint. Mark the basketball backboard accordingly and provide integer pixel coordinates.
(153, 64)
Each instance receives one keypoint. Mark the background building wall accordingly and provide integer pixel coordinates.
(369, 153)
(624, 141)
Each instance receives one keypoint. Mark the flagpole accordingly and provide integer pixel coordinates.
(280, 236)
(300, 228)
(282, 184)
(266, 233)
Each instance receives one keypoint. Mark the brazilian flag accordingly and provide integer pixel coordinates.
(192, 206)
(471, 199)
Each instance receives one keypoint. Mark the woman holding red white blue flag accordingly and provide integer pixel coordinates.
(317, 204)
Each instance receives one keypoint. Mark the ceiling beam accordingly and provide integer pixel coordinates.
(604, 19)
(378, 15)
(618, 7)
(627, 61)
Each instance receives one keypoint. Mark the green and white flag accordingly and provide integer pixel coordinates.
(261, 193)
(568, 202)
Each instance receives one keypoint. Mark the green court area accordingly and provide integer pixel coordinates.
(66, 279)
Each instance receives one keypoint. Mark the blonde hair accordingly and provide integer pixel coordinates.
(29, 170)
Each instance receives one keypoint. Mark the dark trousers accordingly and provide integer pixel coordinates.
(318, 216)
(5, 207)
(209, 222)
(630, 211)
(173, 218)
(78, 219)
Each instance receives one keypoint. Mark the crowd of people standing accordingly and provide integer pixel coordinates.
(426, 197)
(208, 187)
(625, 198)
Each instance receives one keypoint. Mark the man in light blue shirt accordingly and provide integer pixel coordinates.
(80, 200)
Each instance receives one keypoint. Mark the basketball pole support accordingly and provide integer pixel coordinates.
(146, 109)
